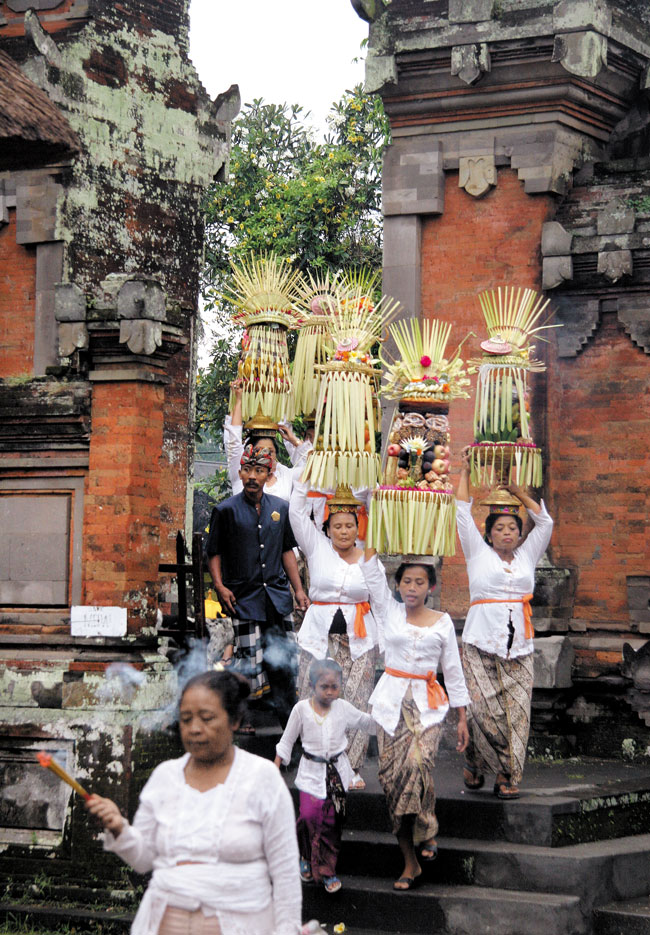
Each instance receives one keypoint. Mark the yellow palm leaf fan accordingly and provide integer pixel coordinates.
(314, 345)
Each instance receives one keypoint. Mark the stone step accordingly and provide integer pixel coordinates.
(444, 910)
(596, 872)
(48, 918)
(631, 917)
(549, 815)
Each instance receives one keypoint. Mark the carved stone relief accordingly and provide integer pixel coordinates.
(477, 174)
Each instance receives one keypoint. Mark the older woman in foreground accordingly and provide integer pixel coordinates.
(216, 827)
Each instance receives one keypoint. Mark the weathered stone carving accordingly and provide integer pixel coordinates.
(556, 270)
(582, 14)
(614, 264)
(638, 601)
(556, 240)
(141, 337)
(141, 298)
(636, 665)
(70, 313)
(581, 53)
(553, 661)
(4, 210)
(477, 174)
(470, 62)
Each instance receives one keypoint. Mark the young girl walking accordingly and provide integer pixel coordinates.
(324, 772)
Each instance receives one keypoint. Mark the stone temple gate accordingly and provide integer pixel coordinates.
(520, 155)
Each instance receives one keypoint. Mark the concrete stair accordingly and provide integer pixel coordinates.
(558, 861)
(630, 917)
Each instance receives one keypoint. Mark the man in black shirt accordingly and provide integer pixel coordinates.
(250, 556)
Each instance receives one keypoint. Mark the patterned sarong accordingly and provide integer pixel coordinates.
(499, 715)
(249, 655)
(406, 763)
(358, 683)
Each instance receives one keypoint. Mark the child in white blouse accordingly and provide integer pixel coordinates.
(324, 772)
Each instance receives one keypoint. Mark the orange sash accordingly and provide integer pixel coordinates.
(436, 694)
(529, 630)
(363, 607)
(362, 513)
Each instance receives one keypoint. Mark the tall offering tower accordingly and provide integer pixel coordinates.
(413, 512)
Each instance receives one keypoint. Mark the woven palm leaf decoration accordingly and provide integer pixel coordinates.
(504, 449)
(314, 345)
(347, 413)
(414, 510)
(265, 291)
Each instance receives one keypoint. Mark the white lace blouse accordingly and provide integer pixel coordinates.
(417, 650)
(322, 736)
(486, 625)
(331, 580)
(241, 836)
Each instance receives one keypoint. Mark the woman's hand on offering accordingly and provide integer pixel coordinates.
(237, 389)
(464, 459)
(107, 812)
(288, 433)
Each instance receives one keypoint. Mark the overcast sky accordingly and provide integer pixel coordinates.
(293, 51)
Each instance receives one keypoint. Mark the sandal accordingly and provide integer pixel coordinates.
(411, 883)
(472, 778)
(332, 884)
(428, 851)
(504, 789)
(305, 871)
(247, 729)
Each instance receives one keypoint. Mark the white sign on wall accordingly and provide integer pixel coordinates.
(98, 621)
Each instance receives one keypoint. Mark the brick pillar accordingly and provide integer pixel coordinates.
(122, 505)
(17, 296)
(477, 244)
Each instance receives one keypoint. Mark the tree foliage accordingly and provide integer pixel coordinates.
(315, 203)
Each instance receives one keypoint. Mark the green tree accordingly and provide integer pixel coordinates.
(315, 203)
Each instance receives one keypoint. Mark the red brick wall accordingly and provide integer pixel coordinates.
(476, 245)
(597, 470)
(122, 505)
(17, 303)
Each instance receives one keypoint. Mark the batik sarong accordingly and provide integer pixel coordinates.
(358, 683)
(499, 715)
(406, 763)
(319, 835)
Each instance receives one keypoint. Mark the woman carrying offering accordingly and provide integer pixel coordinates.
(324, 773)
(498, 634)
(339, 622)
(216, 827)
(262, 435)
(410, 705)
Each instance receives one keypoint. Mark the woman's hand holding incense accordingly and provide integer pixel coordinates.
(107, 812)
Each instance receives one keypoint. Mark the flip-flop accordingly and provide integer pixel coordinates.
(477, 779)
(411, 883)
(246, 729)
(505, 790)
(305, 871)
(429, 846)
(332, 884)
